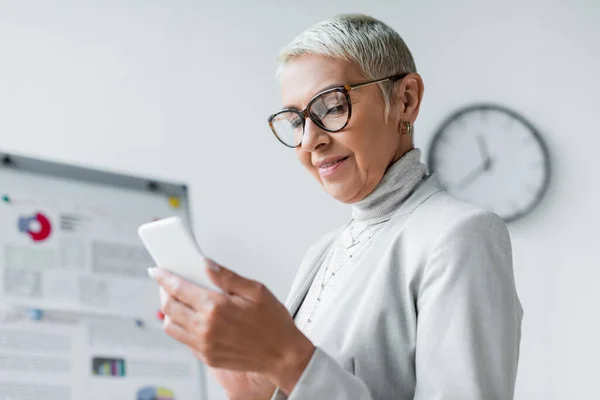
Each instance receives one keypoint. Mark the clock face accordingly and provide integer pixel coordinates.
(491, 157)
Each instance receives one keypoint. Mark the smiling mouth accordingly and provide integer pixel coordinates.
(333, 163)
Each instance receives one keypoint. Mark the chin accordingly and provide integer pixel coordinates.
(340, 192)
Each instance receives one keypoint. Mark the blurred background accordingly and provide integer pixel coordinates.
(182, 90)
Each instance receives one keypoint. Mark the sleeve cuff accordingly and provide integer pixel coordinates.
(306, 376)
(321, 379)
(279, 395)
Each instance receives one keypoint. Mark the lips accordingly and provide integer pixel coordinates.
(332, 163)
(329, 166)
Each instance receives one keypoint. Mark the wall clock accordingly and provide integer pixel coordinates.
(492, 157)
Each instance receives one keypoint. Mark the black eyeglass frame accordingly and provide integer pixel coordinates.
(345, 89)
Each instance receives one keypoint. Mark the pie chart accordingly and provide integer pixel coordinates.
(155, 393)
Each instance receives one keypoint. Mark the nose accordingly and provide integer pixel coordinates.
(314, 137)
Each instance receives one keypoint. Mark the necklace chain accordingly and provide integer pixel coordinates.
(354, 242)
(350, 256)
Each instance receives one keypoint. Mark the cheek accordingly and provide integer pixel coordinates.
(375, 135)
(358, 142)
(305, 159)
(368, 140)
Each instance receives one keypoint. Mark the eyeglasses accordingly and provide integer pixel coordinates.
(330, 110)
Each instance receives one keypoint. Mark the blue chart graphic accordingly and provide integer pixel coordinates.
(155, 393)
(41, 233)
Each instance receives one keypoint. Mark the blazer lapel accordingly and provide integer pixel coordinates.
(307, 274)
(430, 186)
(313, 262)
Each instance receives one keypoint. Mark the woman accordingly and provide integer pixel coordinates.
(414, 298)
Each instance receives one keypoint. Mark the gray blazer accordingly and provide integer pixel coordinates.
(433, 314)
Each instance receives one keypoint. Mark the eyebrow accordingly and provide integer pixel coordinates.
(316, 94)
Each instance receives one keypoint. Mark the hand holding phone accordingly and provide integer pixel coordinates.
(173, 248)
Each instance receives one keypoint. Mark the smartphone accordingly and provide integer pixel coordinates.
(172, 247)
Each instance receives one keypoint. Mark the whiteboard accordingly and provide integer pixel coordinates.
(78, 315)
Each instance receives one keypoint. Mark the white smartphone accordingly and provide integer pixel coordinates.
(173, 248)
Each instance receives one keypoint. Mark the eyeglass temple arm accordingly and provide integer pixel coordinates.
(394, 77)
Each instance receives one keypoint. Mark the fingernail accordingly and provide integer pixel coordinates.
(152, 272)
(212, 265)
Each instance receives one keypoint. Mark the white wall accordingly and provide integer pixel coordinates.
(183, 89)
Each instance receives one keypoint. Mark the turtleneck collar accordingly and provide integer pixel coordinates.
(398, 182)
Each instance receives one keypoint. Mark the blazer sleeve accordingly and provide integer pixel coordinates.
(469, 314)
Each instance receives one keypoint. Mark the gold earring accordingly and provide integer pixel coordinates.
(407, 128)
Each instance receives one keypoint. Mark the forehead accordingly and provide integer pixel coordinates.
(305, 76)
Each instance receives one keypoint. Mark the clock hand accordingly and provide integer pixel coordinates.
(483, 149)
(473, 175)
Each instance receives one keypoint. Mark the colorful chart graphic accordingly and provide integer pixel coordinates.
(155, 393)
(174, 202)
(36, 233)
(108, 367)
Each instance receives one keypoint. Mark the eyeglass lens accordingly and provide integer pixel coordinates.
(329, 111)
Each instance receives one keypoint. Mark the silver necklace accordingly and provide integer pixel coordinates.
(350, 255)
(354, 239)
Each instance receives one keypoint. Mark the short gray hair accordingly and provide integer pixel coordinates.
(368, 43)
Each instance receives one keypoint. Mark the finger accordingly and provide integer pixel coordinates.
(231, 282)
(163, 295)
(180, 313)
(178, 332)
(184, 291)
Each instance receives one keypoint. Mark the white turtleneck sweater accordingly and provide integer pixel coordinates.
(368, 217)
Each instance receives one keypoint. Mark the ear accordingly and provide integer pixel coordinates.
(408, 96)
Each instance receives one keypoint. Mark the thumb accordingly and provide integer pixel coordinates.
(231, 282)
